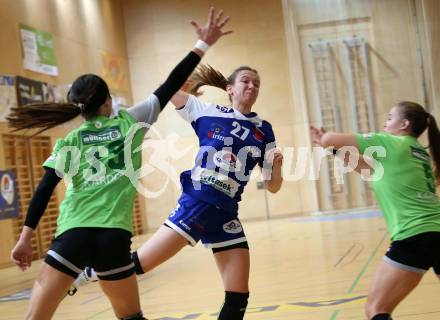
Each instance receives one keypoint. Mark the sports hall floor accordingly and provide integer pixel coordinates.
(303, 268)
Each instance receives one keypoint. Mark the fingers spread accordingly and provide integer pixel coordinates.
(223, 22)
(227, 32)
(218, 17)
(195, 25)
(211, 15)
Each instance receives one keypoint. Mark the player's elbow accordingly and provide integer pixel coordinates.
(274, 186)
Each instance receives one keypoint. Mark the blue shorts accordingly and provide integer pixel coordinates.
(198, 220)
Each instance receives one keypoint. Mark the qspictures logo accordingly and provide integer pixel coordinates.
(122, 156)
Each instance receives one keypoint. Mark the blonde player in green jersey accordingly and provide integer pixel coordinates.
(405, 188)
(99, 159)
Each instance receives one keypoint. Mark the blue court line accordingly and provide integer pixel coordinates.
(340, 216)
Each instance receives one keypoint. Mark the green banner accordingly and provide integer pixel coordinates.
(38, 50)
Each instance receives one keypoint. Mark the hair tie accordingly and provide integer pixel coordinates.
(428, 118)
(80, 105)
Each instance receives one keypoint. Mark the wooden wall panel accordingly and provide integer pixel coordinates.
(40, 150)
(17, 158)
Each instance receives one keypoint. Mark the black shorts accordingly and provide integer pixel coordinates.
(106, 250)
(417, 253)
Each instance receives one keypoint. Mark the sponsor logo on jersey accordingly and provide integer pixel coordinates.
(368, 135)
(216, 132)
(184, 225)
(258, 134)
(420, 154)
(227, 161)
(111, 134)
(224, 109)
(428, 196)
(104, 180)
(216, 180)
(233, 226)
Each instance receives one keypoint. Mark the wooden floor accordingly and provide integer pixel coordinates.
(302, 269)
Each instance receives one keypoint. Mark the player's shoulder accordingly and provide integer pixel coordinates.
(263, 125)
(266, 124)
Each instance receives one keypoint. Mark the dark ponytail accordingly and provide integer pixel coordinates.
(419, 120)
(205, 75)
(42, 116)
(87, 94)
(434, 145)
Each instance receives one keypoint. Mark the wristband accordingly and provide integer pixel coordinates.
(202, 46)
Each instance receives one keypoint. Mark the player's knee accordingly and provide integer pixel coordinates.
(234, 306)
(137, 263)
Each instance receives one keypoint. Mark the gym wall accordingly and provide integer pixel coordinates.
(400, 62)
(159, 35)
(382, 52)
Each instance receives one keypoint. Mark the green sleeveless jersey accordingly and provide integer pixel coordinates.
(405, 188)
(95, 164)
